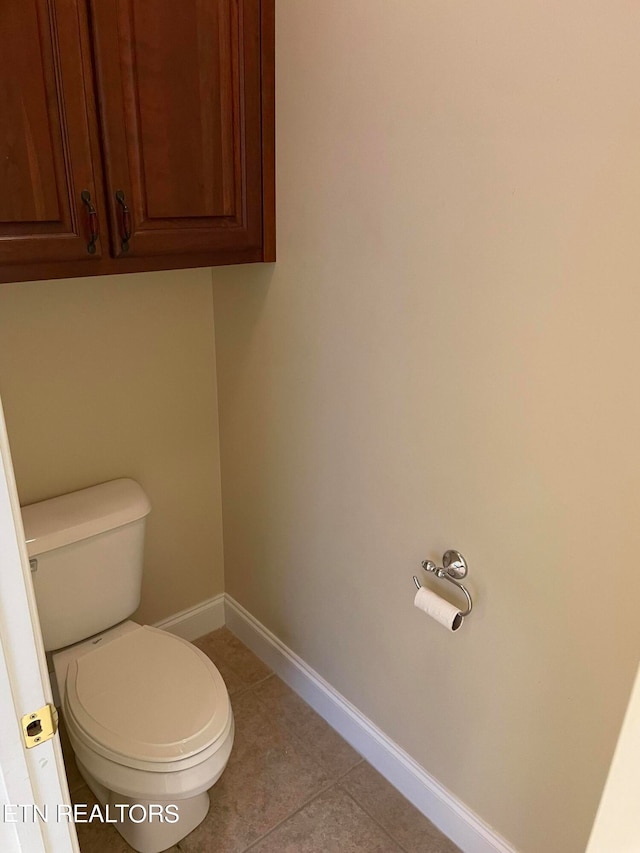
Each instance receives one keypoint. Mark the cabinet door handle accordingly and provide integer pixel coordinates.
(125, 222)
(94, 232)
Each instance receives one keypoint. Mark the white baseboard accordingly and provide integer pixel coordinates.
(196, 621)
(450, 815)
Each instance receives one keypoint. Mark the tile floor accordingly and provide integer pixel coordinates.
(292, 784)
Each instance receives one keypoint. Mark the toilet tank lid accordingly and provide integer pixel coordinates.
(78, 515)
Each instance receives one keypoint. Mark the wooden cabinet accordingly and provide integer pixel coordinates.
(135, 135)
(46, 156)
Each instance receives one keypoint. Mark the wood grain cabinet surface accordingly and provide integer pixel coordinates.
(135, 135)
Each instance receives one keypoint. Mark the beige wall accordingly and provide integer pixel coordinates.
(445, 355)
(110, 377)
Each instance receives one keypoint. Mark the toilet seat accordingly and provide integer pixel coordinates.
(148, 700)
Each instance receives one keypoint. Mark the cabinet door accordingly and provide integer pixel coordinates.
(179, 94)
(45, 143)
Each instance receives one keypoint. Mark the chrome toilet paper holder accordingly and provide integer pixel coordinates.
(454, 569)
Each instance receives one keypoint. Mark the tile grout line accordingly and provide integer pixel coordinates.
(301, 742)
(302, 806)
(245, 686)
(335, 783)
(262, 680)
(327, 787)
(375, 820)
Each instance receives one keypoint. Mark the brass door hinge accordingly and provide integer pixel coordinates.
(39, 726)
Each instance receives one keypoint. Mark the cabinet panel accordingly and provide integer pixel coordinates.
(179, 89)
(186, 130)
(45, 142)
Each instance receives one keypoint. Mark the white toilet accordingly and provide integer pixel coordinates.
(148, 714)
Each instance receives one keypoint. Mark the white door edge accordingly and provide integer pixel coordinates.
(28, 777)
(616, 828)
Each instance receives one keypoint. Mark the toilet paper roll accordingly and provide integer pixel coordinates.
(439, 609)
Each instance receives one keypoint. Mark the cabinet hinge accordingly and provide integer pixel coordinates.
(39, 726)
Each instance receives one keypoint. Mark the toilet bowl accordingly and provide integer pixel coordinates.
(150, 722)
(147, 713)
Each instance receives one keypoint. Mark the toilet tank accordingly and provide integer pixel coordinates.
(86, 551)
